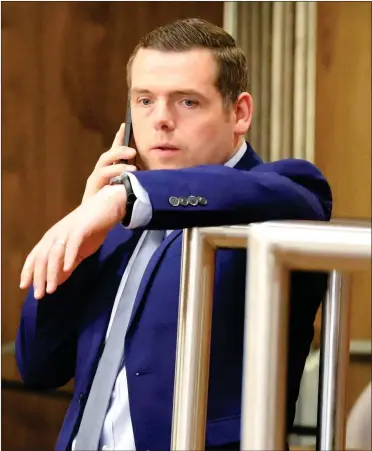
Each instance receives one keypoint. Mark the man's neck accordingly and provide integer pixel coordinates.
(241, 139)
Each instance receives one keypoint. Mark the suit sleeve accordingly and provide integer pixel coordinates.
(288, 189)
(46, 342)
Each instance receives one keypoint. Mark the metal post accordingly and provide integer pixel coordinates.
(265, 344)
(193, 343)
(275, 248)
(334, 358)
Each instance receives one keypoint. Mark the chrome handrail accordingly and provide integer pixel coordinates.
(274, 249)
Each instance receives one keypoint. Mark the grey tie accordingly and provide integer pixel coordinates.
(89, 434)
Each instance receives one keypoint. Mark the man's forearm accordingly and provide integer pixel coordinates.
(231, 196)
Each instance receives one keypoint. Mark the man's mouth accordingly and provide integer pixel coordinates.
(164, 146)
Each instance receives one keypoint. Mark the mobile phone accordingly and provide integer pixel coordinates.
(128, 126)
(128, 134)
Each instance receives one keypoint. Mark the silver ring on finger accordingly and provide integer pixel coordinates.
(60, 242)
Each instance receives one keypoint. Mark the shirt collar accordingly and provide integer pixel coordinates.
(234, 160)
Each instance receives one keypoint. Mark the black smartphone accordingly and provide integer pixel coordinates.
(128, 134)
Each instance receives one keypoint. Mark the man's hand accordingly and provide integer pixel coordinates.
(74, 238)
(109, 165)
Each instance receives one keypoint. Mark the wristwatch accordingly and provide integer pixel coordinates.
(124, 179)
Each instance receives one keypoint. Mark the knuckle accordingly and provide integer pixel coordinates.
(42, 255)
(56, 250)
(116, 152)
(91, 177)
(105, 153)
(41, 248)
(103, 157)
(47, 236)
(103, 174)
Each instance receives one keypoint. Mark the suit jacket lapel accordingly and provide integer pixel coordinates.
(151, 268)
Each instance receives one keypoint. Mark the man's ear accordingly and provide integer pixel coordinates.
(243, 113)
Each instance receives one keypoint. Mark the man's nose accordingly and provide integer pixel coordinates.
(164, 119)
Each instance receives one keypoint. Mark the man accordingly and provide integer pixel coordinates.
(103, 302)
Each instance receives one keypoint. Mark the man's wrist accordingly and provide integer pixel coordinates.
(124, 180)
(120, 195)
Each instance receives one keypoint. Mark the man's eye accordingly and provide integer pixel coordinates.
(189, 103)
(145, 101)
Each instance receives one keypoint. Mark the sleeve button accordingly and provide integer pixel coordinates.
(174, 201)
(184, 201)
(202, 200)
(193, 200)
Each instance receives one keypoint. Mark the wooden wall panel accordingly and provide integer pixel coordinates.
(343, 138)
(63, 98)
(343, 104)
(30, 421)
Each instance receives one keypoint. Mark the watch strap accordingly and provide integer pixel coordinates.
(124, 179)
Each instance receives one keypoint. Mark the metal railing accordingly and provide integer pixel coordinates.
(275, 248)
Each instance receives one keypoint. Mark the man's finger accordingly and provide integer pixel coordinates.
(119, 137)
(72, 251)
(28, 268)
(40, 271)
(55, 265)
(115, 154)
(106, 173)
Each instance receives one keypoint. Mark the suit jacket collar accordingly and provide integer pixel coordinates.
(249, 160)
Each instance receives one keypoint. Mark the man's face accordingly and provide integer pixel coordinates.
(177, 112)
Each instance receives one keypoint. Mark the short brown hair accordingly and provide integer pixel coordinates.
(188, 34)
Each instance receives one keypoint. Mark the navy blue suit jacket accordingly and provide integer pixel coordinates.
(61, 336)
